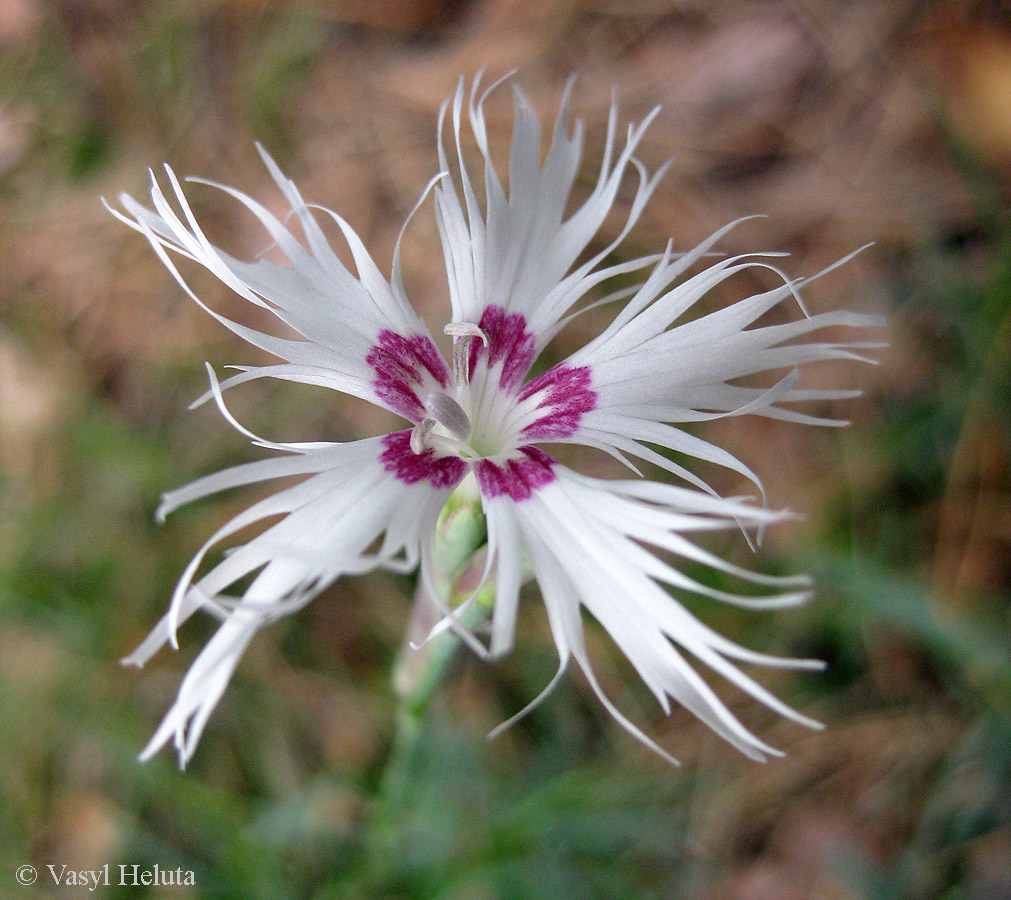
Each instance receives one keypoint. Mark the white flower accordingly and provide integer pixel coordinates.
(514, 281)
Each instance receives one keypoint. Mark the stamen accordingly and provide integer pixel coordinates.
(445, 411)
(448, 413)
(463, 333)
(420, 433)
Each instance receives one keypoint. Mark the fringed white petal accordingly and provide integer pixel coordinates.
(517, 252)
(585, 540)
(339, 314)
(330, 525)
(651, 372)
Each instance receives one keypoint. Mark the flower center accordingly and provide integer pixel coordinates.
(443, 410)
(480, 416)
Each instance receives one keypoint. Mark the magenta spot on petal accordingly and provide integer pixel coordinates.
(410, 467)
(518, 477)
(509, 341)
(399, 363)
(567, 396)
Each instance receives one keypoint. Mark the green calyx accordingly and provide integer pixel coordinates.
(458, 556)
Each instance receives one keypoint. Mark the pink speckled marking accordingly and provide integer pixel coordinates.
(509, 341)
(398, 362)
(411, 467)
(567, 395)
(519, 477)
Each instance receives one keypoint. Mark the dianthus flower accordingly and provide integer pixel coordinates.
(517, 271)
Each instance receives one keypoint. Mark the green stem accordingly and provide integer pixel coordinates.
(417, 677)
(419, 670)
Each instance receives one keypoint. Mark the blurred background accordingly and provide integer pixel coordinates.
(844, 122)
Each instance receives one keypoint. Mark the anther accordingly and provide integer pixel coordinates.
(448, 413)
(420, 433)
(463, 333)
(445, 411)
